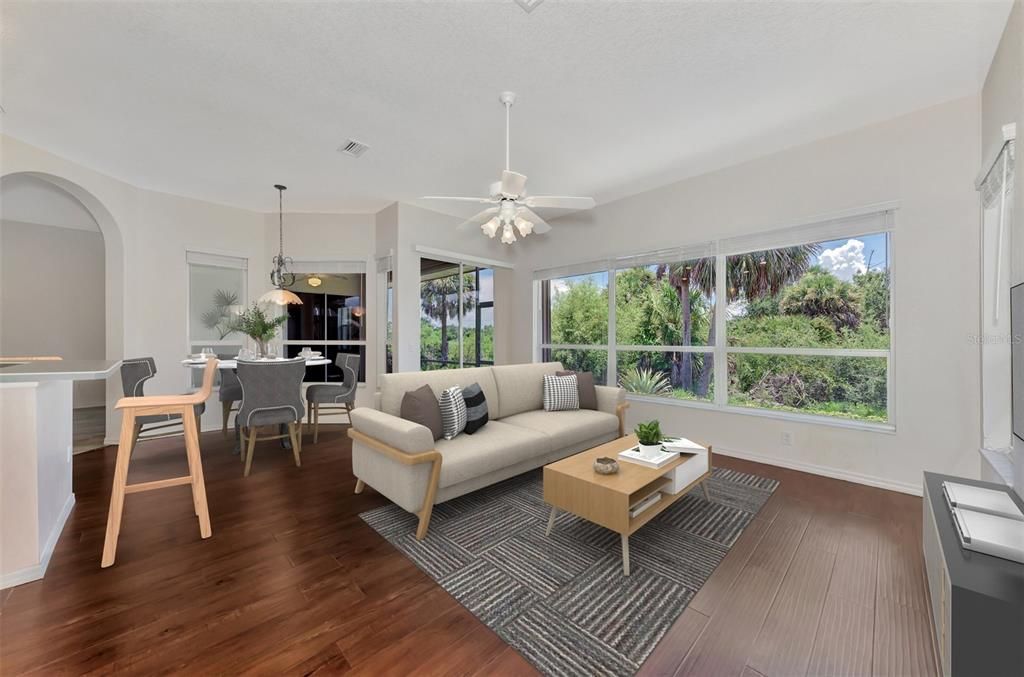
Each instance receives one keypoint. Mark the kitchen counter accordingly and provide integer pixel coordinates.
(35, 459)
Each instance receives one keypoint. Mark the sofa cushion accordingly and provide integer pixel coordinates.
(520, 387)
(566, 428)
(420, 406)
(394, 386)
(585, 386)
(491, 448)
(561, 393)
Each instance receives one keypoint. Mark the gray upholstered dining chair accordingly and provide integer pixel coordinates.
(134, 374)
(229, 393)
(271, 396)
(330, 396)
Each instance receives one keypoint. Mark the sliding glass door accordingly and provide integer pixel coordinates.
(456, 315)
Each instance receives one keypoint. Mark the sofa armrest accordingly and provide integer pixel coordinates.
(403, 435)
(612, 400)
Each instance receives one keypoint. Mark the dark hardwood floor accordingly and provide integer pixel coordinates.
(828, 579)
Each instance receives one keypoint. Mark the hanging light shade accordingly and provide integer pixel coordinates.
(314, 281)
(280, 276)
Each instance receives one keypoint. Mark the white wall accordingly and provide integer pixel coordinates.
(426, 228)
(1002, 102)
(927, 161)
(52, 296)
(146, 235)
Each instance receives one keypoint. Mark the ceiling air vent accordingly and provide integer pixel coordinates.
(353, 148)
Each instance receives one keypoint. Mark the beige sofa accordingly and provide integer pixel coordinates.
(401, 460)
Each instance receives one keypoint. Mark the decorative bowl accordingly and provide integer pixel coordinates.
(606, 466)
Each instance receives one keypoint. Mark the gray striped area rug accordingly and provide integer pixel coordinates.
(562, 601)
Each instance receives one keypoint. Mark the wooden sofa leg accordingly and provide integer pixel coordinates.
(421, 530)
(360, 485)
(428, 500)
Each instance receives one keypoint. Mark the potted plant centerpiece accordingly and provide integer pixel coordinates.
(257, 325)
(649, 436)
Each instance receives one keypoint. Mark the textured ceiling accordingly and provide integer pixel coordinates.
(220, 100)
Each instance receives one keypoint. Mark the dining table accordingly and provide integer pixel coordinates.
(232, 364)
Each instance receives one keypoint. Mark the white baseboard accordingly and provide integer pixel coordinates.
(824, 471)
(34, 573)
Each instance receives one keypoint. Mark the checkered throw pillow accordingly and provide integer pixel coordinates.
(453, 412)
(561, 393)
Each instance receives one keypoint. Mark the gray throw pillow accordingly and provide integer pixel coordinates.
(476, 408)
(420, 406)
(585, 385)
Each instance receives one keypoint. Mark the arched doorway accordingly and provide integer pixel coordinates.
(54, 193)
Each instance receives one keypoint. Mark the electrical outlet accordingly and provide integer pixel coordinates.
(787, 438)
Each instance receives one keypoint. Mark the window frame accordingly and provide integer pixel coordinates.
(820, 230)
(354, 267)
(195, 257)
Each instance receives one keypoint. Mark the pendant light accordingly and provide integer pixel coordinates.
(280, 276)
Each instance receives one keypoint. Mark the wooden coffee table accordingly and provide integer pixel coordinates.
(572, 485)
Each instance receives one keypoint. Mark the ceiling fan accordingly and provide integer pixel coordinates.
(511, 208)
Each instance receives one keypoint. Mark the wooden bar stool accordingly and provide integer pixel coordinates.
(177, 405)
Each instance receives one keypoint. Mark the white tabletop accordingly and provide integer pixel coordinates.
(232, 364)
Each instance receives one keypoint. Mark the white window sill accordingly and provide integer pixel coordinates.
(886, 428)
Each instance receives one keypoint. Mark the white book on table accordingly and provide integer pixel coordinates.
(990, 534)
(981, 499)
(681, 444)
(644, 504)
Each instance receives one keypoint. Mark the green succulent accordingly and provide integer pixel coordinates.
(648, 433)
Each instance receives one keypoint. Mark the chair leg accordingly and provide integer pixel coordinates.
(348, 410)
(136, 429)
(226, 409)
(195, 464)
(250, 451)
(316, 422)
(360, 485)
(292, 433)
(124, 452)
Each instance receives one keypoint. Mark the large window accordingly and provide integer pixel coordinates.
(802, 328)
(331, 319)
(216, 293)
(456, 315)
(575, 322)
(808, 329)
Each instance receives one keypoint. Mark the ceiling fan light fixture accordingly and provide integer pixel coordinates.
(491, 227)
(523, 226)
(507, 236)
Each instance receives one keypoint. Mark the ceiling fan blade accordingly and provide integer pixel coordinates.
(477, 220)
(478, 200)
(559, 202)
(512, 183)
(539, 225)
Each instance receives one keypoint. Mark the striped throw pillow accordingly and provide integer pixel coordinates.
(476, 408)
(561, 393)
(453, 412)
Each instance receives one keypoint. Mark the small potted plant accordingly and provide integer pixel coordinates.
(255, 324)
(649, 436)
